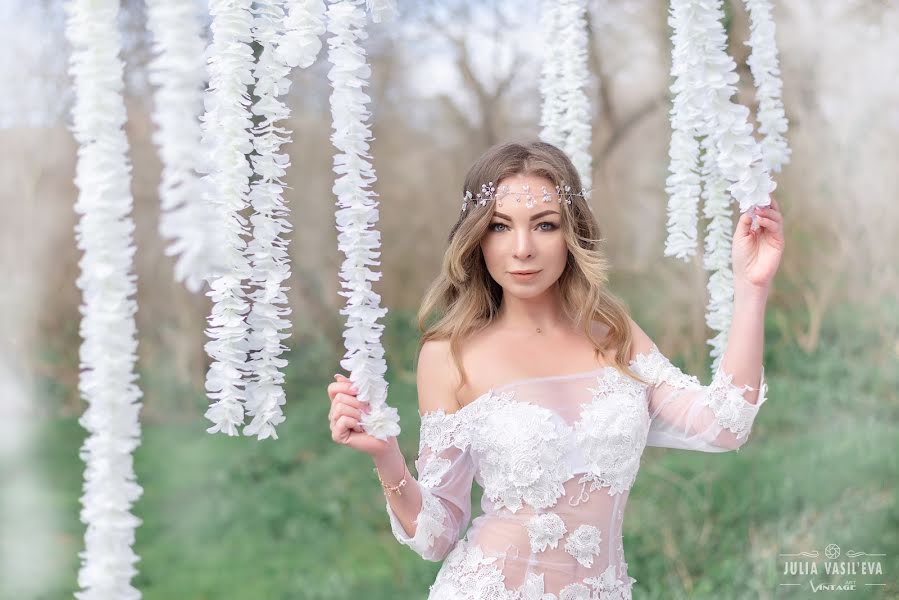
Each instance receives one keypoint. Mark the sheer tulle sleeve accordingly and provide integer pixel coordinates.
(445, 473)
(688, 415)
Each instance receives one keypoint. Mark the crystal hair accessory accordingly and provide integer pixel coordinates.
(489, 192)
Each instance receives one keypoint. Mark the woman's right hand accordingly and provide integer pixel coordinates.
(345, 416)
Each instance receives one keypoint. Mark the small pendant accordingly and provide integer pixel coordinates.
(538, 330)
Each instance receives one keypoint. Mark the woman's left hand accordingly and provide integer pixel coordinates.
(756, 254)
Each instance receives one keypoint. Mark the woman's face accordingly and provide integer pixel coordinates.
(525, 239)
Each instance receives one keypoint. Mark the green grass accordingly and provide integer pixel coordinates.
(303, 518)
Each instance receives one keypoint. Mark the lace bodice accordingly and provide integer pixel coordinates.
(556, 458)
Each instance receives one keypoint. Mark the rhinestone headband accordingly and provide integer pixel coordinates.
(489, 192)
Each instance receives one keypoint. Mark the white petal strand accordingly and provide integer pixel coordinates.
(304, 25)
(734, 167)
(228, 140)
(763, 64)
(178, 72)
(551, 113)
(565, 117)
(705, 82)
(717, 260)
(357, 215)
(267, 250)
(104, 234)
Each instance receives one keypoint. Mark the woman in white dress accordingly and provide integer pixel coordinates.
(536, 383)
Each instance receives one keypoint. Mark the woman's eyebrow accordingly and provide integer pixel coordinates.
(533, 218)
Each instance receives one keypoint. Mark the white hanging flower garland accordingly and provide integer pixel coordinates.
(268, 250)
(178, 71)
(683, 184)
(705, 73)
(301, 41)
(358, 211)
(227, 140)
(551, 130)
(108, 352)
(565, 116)
(733, 165)
(717, 259)
(763, 64)
(576, 118)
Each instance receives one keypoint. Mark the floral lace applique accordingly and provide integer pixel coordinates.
(545, 530)
(612, 432)
(440, 430)
(607, 586)
(533, 588)
(728, 403)
(522, 451)
(430, 524)
(657, 369)
(583, 544)
(434, 470)
(575, 591)
(469, 575)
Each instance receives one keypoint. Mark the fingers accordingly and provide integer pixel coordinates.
(770, 224)
(744, 224)
(345, 387)
(769, 212)
(346, 411)
(340, 429)
(348, 399)
(339, 409)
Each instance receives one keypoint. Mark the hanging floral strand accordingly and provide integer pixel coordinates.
(227, 140)
(565, 115)
(267, 250)
(301, 42)
(717, 208)
(732, 164)
(178, 71)
(551, 130)
(687, 113)
(705, 75)
(357, 215)
(765, 70)
(574, 78)
(108, 352)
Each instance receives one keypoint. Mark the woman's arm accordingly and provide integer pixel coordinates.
(745, 341)
(432, 510)
(755, 257)
(406, 506)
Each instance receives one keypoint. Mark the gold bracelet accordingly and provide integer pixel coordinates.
(391, 489)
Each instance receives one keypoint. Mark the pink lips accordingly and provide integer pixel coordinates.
(524, 275)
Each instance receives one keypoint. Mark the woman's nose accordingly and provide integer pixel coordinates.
(524, 244)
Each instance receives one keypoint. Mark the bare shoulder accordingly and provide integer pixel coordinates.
(436, 378)
(641, 343)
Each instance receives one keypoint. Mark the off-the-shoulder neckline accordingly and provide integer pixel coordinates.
(516, 382)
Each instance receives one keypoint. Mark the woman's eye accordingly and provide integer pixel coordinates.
(552, 226)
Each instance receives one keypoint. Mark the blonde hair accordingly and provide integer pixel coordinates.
(468, 296)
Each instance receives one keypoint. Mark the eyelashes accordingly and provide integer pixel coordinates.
(552, 226)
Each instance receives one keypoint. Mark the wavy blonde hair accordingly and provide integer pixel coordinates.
(469, 298)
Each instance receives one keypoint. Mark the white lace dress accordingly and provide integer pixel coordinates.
(556, 457)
